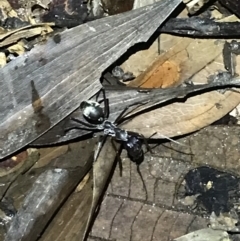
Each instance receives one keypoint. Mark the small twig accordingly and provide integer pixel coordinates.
(200, 27)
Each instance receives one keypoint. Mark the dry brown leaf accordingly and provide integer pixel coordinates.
(186, 56)
(147, 58)
(182, 118)
(159, 75)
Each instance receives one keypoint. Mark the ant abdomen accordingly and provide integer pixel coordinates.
(134, 148)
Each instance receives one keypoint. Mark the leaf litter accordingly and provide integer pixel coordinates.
(184, 70)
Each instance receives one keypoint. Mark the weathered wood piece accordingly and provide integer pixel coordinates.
(45, 85)
(39, 202)
(45, 196)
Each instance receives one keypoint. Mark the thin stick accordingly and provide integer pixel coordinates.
(200, 27)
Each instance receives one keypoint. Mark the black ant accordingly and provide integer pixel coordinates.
(97, 120)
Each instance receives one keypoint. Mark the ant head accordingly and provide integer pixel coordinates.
(92, 111)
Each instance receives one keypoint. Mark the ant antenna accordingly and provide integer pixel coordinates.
(168, 138)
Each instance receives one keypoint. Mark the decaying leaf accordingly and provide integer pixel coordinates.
(48, 154)
(199, 27)
(160, 75)
(232, 5)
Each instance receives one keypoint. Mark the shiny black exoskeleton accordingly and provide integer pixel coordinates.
(134, 148)
(94, 113)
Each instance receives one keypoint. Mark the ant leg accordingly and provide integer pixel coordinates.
(80, 128)
(106, 106)
(119, 159)
(146, 142)
(100, 144)
(98, 94)
(122, 114)
(147, 145)
(106, 103)
(144, 185)
(88, 127)
(83, 123)
(177, 187)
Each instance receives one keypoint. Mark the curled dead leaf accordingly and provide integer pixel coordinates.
(186, 59)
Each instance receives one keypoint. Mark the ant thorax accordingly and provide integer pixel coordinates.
(110, 129)
(121, 135)
(92, 111)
